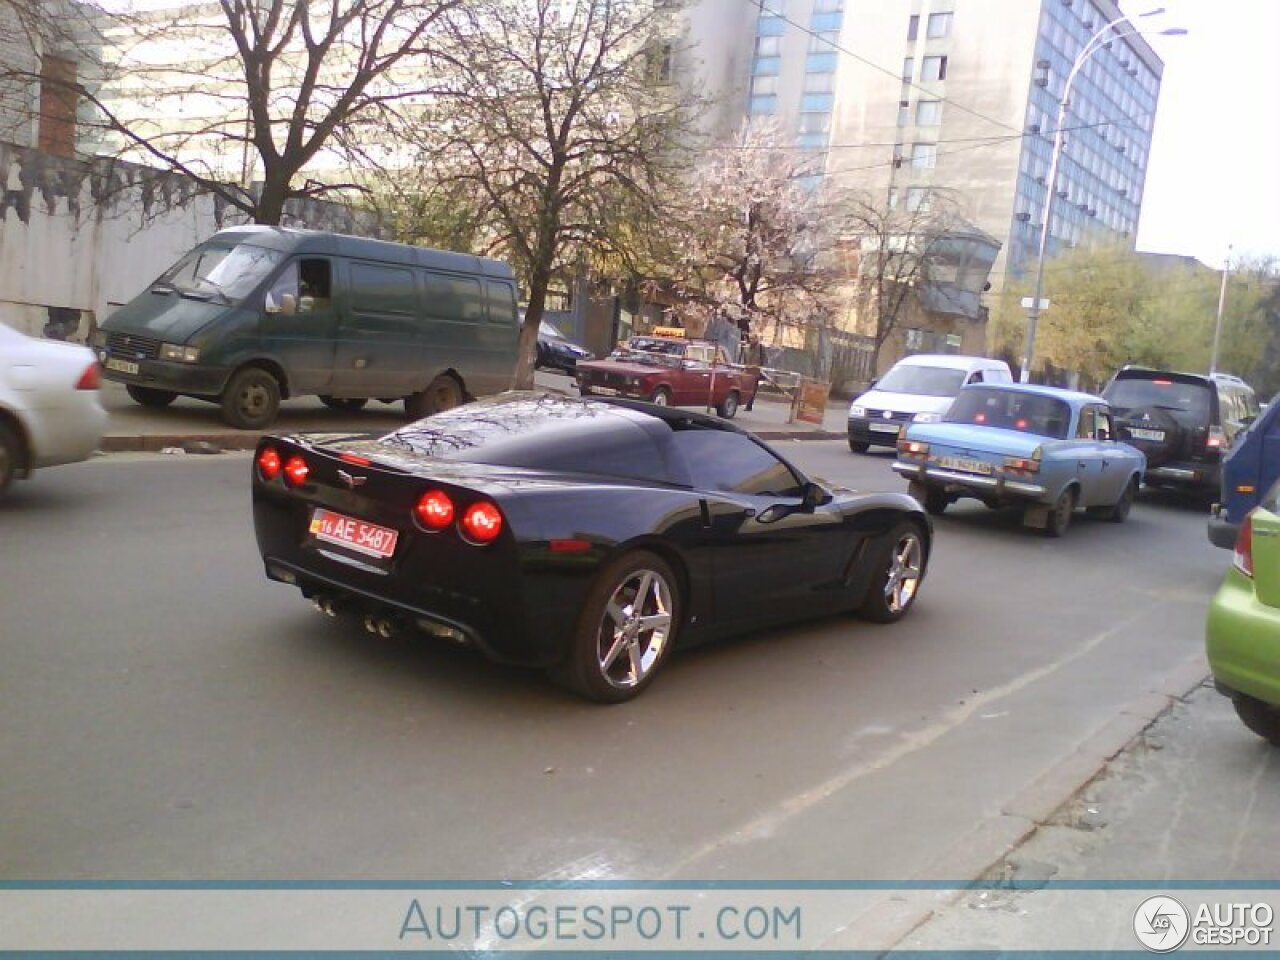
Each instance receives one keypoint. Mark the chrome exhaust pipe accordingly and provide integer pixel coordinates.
(371, 623)
(386, 629)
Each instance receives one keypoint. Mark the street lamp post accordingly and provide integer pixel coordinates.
(1222, 301)
(1094, 44)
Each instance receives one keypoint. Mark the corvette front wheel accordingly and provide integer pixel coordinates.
(625, 631)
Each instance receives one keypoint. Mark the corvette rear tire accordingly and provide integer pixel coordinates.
(625, 631)
(898, 567)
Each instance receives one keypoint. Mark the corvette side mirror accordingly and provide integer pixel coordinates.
(815, 495)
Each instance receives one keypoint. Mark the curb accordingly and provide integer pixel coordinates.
(888, 923)
(220, 442)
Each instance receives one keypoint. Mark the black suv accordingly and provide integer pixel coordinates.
(1183, 422)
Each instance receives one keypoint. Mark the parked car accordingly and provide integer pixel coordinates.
(1249, 468)
(558, 352)
(924, 383)
(1242, 638)
(256, 314)
(1183, 422)
(50, 405)
(1049, 450)
(672, 370)
(581, 536)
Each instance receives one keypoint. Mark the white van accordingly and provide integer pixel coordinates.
(923, 383)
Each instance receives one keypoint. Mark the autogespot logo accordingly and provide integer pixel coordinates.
(1161, 924)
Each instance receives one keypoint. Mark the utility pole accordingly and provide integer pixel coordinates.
(1222, 301)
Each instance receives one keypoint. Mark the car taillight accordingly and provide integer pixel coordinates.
(296, 471)
(1217, 439)
(1022, 464)
(269, 463)
(913, 448)
(435, 510)
(482, 522)
(91, 379)
(1242, 555)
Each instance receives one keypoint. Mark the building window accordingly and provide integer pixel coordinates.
(816, 102)
(939, 25)
(893, 198)
(812, 140)
(924, 155)
(764, 86)
(770, 26)
(823, 41)
(908, 68)
(826, 6)
(917, 199)
(913, 28)
(815, 122)
(819, 82)
(904, 112)
(763, 105)
(928, 113)
(935, 68)
(820, 63)
(825, 21)
(765, 66)
(768, 46)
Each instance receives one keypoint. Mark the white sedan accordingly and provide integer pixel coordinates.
(50, 408)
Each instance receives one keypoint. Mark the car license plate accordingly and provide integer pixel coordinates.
(367, 538)
(604, 391)
(1139, 433)
(964, 464)
(883, 427)
(124, 366)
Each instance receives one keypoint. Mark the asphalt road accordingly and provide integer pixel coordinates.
(170, 714)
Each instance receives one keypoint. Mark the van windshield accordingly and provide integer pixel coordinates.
(226, 271)
(924, 381)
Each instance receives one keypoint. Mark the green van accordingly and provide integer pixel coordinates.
(256, 314)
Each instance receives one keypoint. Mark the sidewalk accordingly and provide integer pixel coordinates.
(197, 426)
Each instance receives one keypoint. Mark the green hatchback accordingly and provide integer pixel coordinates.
(1243, 633)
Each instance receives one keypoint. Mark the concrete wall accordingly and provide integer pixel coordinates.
(87, 236)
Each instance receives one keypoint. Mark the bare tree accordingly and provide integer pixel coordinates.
(560, 127)
(898, 254)
(753, 233)
(292, 93)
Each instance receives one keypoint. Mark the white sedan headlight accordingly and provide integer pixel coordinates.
(178, 353)
(927, 418)
(857, 411)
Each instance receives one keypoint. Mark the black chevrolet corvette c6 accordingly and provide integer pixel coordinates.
(585, 537)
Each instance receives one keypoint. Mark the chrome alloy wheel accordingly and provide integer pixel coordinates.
(904, 573)
(635, 628)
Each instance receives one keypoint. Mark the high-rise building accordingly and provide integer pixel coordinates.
(904, 97)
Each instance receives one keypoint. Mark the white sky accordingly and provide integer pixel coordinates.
(1214, 175)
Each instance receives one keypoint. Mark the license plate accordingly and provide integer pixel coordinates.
(604, 391)
(964, 464)
(1141, 434)
(883, 427)
(358, 535)
(124, 366)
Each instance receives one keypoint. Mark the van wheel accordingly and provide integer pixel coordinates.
(251, 399)
(444, 393)
(338, 403)
(10, 455)
(150, 397)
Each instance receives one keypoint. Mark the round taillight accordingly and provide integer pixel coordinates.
(296, 471)
(482, 522)
(435, 510)
(269, 463)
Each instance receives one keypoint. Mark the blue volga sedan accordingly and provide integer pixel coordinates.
(1047, 449)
